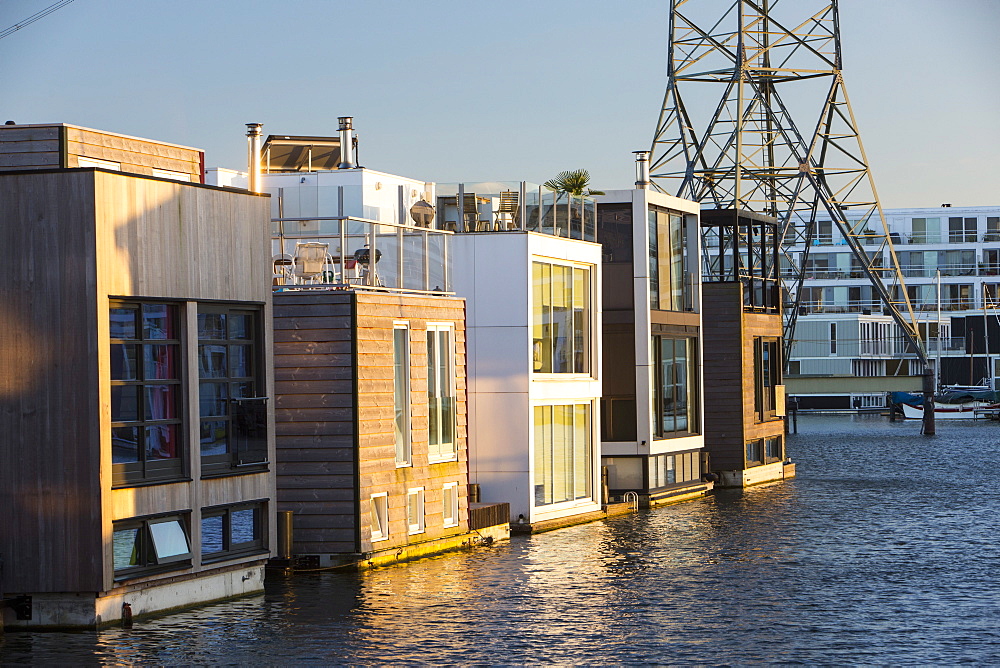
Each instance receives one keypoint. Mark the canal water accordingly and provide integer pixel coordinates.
(883, 550)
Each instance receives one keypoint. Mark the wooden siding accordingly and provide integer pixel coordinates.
(335, 417)
(81, 237)
(376, 314)
(50, 459)
(729, 374)
(314, 416)
(47, 146)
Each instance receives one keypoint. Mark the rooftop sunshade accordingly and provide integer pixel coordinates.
(282, 153)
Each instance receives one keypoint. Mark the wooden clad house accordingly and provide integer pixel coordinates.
(370, 364)
(58, 145)
(135, 471)
(653, 416)
(370, 462)
(743, 373)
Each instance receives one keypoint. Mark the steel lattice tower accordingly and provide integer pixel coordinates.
(778, 136)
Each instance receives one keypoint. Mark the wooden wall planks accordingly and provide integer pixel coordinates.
(325, 422)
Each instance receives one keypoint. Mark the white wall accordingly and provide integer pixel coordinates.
(493, 272)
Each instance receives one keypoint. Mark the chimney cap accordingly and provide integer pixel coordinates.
(345, 122)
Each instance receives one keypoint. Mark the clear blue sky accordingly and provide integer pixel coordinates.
(448, 90)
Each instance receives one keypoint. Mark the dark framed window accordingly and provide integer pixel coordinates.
(147, 428)
(145, 545)
(773, 452)
(755, 452)
(674, 386)
(233, 415)
(669, 289)
(767, 376)
(229, 531)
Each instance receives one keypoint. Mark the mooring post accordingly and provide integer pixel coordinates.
(928, 427)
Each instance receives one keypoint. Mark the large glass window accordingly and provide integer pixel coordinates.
(767, 376)
(441, 401)
(229, 531)
(142, 545)
(926, 231)
(674, 386)
(962, 230)
(561, 314)
(146, 423)
(401, 392)
(233, 415)
(668, 288)
(563, 458)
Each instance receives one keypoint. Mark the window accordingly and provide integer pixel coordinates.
(102, 164)
(561, 314)
(441, 444)
(562, 453)
(146, 424)
(449, 509)
(668, 288)
(674, 384)
(229, 531)
(666, 470)
(415, 510)
(926, 231)
(755, 452)
(233, 416)
(767, 376)
(992, 229)
(379, 516)
(833, 338)
(962, 230)
(170, 174)
(144, 545)
(401, 392)
(772, 450)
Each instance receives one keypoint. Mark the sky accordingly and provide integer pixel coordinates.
(467, 90)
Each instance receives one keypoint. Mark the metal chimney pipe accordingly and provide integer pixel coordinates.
(641, 169)
(346, 141)
(253, 156)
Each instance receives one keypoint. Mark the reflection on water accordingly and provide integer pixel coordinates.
(883, 550)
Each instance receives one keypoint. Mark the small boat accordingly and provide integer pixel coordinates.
(954, 402)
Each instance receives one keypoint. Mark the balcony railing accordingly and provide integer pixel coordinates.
(342, 252)
(498, 206)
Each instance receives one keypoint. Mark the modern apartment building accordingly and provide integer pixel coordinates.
(950, 261)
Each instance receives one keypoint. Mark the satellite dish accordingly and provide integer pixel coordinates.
(422, 213)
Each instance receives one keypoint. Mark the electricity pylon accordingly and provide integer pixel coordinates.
(777, 136)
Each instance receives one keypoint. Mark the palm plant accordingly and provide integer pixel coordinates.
(573, 182)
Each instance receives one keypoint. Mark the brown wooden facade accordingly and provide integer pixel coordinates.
(335, 416)
(57, 145)
(732, 379)
(77, 240)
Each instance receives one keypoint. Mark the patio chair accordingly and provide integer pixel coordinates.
(508, 212)
(281, 269)
(309, 262)
(470, 212)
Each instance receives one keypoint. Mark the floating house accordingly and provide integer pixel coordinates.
(529, 265)
(370, 363)
(653, 413)
(136, 474)
(743, 372)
